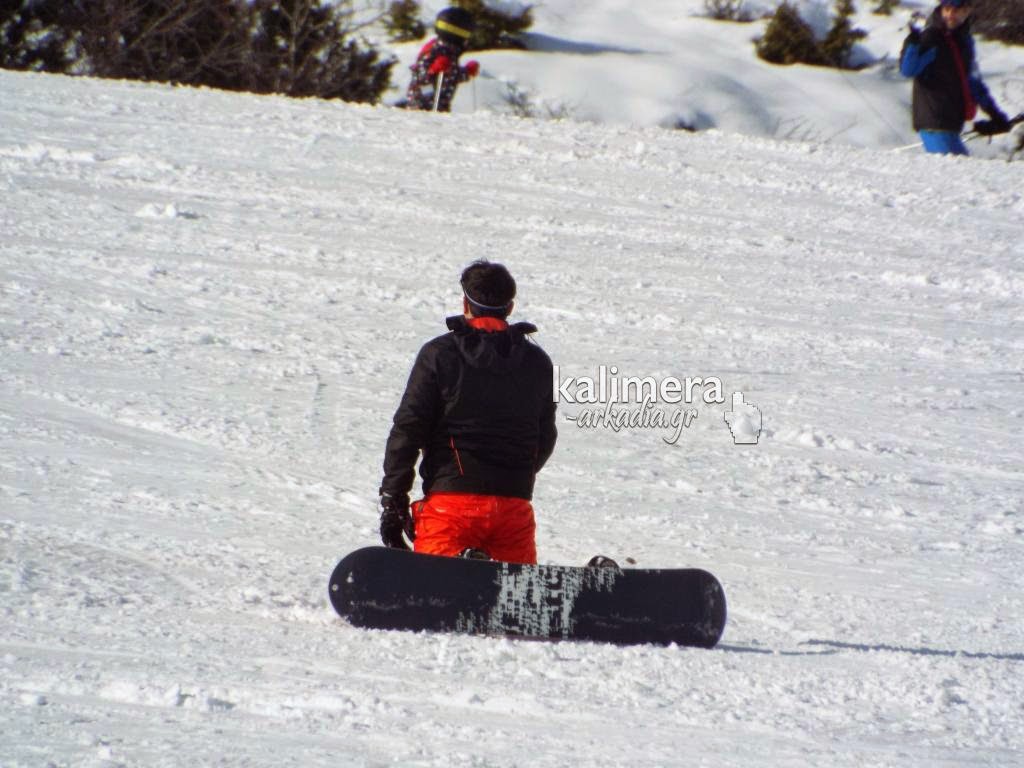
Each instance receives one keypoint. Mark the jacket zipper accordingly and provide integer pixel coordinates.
(458, 459)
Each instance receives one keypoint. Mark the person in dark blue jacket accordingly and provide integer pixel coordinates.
(948, 89)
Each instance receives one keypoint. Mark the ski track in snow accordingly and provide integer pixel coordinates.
(209, 304)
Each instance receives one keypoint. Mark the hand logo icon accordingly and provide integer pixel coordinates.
(744, 421)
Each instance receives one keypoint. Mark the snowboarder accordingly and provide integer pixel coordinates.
(437, 73)
(948, 88)
(479, 406)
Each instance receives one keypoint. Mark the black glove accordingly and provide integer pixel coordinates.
(395, 520)
(998, 124)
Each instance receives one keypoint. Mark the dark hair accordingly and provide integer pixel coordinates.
(489, 288)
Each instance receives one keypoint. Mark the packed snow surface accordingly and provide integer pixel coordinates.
(209, 304)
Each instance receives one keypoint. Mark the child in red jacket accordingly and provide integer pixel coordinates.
(438, 63)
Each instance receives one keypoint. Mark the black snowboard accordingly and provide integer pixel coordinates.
(393, 589)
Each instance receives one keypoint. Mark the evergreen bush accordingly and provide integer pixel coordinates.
(403, 21)
(293, 47)
(788, 39)
(726, 10)
(34, 36)
(843, 36)
(1001, 20)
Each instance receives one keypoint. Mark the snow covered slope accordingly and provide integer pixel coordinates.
(664, 63)
(208, 307)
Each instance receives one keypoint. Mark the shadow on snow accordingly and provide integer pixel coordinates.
(539, 43)
(834, 646)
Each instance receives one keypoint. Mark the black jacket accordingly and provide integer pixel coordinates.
(938, 98)
(479, 406)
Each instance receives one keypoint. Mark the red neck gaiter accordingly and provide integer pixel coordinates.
(488, 324)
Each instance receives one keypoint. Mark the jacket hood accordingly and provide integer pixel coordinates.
(498, 351)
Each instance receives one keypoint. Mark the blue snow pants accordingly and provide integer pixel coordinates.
(942, 142)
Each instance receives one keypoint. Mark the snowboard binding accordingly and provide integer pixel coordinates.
(472, 553)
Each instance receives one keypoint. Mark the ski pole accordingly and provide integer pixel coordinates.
(908, 146)
(437, 89)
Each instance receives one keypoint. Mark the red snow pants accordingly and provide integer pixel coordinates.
(502, 526)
